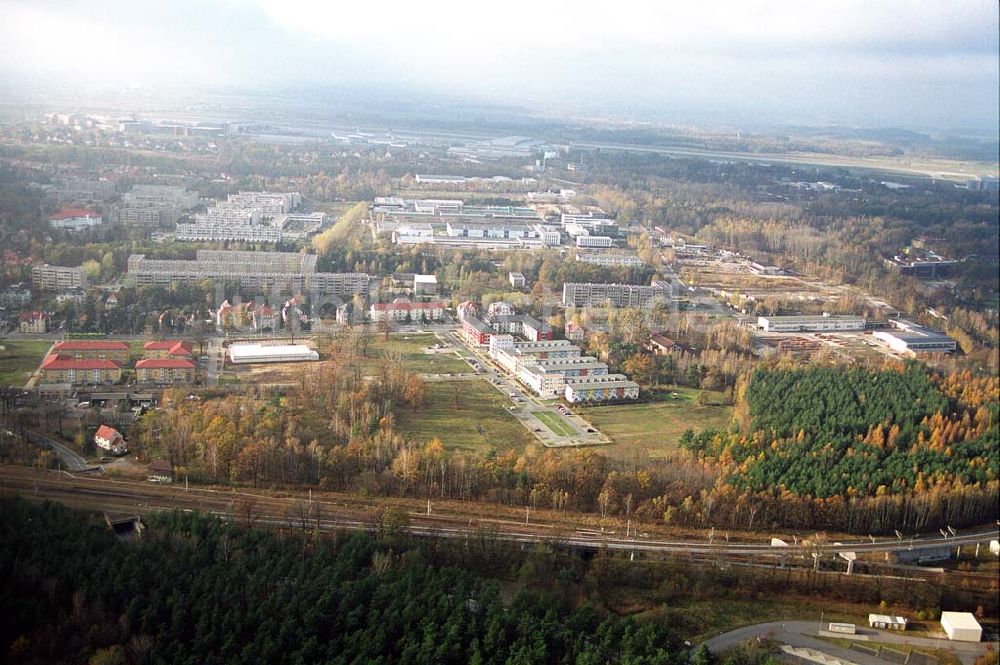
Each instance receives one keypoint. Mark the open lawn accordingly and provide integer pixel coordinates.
(468, 415)
(18, 359)
(655, 426)
(555, 423)
(412, 349)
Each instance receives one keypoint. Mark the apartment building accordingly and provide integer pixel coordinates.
(68, 370)
(168, 348)
(580, 294)
(402, 310)
(165, 371)
(58, 278)
(287, 272)
(87, 349)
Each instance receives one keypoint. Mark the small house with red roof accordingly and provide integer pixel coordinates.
(264, 319)
(34, 322)
(110, 439)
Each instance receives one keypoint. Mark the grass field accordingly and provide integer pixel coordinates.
(479, 422)
(411, 348)
(18, 358)
(554, 423)
(655, 426)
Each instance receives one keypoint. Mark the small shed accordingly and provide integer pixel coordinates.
(161, 471)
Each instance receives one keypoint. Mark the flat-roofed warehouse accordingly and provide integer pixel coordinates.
(824, 323)
(244, 354)
(912, 339)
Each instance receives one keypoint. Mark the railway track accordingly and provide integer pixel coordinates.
(293, 511)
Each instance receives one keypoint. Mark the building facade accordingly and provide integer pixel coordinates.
(165, 371)
(58, 278)
(68, 370)
(580, 294)
(86, 349)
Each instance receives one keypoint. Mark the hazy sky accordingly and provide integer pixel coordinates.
(916, 63)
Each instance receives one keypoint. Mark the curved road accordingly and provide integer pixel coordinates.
(804, 634)
(71, 460)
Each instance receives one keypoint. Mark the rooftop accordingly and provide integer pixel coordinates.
(56, 361)
(90, 345)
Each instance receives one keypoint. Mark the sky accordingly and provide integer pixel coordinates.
(871, 63)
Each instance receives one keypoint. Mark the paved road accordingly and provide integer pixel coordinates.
(71, 460)
(804, 634)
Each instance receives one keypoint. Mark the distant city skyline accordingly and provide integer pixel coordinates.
(926, 65)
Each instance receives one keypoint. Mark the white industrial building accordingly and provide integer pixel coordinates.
(912, 339)
(961, 626)
(242, 354)
(824, 323)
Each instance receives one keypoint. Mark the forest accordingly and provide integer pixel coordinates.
(835, 435)
(194, 590)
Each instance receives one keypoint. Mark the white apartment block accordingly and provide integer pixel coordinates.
(581, 294)
(287, 272)
(599, 242)
(601, 389)
(609, 259)
(58, 278)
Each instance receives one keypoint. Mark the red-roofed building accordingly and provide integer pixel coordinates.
(264, 318)
(75, 219)
(93, 349)
(110, 439)
(34, 322)
(164, 370)
(401, 310)
(79, 371)
(168, 348)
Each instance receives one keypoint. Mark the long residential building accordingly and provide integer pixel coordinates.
(58, 278)
(402, 310)
(610, 259)
(824, 323)
(165, 371)
(580, 294)
(548, 378)
(92, 349)
(152, 206)
(510, 354)
(60, 369)
(252, 217)
(282, 271)
(612, 387)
